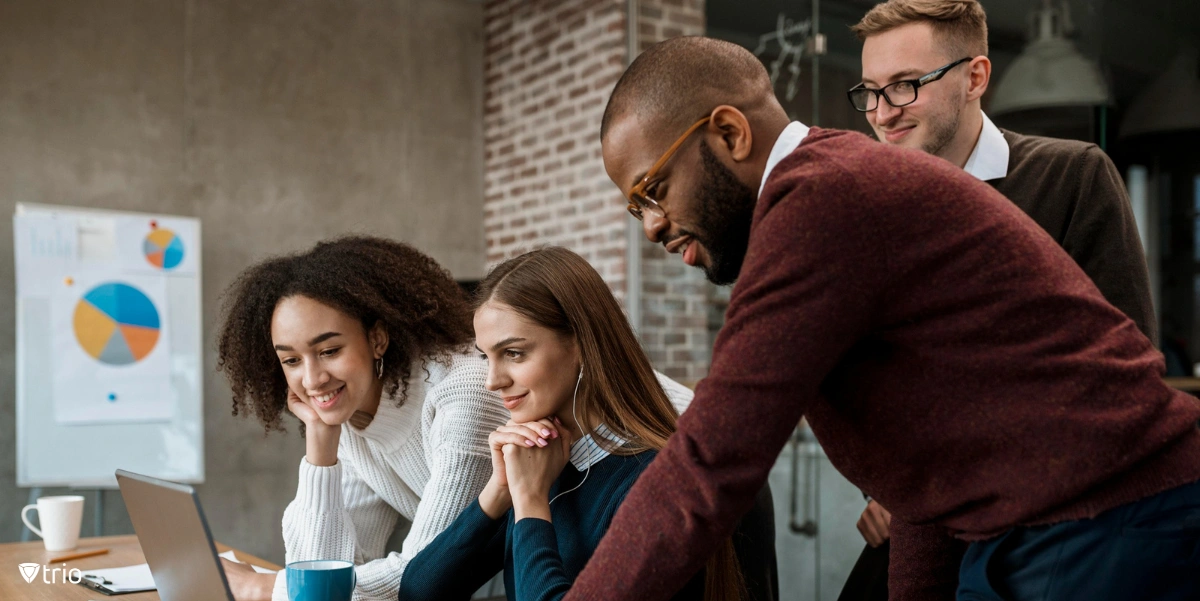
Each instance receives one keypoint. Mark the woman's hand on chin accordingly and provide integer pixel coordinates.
(531, 473)
(320, 438)
(496, 499)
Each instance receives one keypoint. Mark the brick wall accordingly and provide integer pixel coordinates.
(675, 297)
(549, 67)
(662, 19)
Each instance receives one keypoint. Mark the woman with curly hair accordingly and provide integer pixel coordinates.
(365, 341)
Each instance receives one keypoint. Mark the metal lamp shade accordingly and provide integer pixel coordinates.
(1050, 72)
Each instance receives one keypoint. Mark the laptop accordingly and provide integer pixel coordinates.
(175, 538)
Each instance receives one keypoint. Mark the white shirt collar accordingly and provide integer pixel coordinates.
(989, 159)
(788, 140)
(586, 452)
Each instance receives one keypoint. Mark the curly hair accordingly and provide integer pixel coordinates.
(375, 280)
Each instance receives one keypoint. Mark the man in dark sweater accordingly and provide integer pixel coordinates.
(952, 360)
(1088, 212)
(1069, 188)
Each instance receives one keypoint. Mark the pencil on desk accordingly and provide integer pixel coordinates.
(80, 555)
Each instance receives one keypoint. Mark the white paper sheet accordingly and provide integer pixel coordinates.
(44, 247)
(97, 239)
(132, 579)
(129, 579)
(111, 351)
(231, 557)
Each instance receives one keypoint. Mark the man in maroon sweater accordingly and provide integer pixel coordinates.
(954, 362)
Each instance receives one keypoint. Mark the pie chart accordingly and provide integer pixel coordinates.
(163, 249)
(116, 324)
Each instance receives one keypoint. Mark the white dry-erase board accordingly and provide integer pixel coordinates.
(109, 346)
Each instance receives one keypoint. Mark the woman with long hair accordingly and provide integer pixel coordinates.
(559, 350)
(366, 341)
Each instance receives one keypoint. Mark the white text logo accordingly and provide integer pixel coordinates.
(29, 571)
(50, 576)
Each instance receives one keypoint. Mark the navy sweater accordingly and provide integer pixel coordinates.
(540, 559)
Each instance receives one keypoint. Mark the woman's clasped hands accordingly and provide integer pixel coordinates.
(526, 460)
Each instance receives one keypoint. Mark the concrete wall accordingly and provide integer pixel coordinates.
(277, 123)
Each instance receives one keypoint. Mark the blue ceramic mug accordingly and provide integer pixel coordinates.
(321, 580)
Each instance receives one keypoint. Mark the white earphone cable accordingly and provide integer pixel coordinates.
(573, 414)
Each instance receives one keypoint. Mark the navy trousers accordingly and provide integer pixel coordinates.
(1149, 549)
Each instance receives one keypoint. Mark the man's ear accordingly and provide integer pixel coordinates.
(733, 129)
(980, 73)
(378, 337)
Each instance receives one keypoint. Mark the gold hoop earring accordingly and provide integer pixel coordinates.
(379, 368)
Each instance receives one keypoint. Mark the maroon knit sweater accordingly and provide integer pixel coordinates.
(952, 359)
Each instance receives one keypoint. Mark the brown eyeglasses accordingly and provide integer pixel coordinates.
(639, 202)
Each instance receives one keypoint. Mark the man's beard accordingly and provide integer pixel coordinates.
(724, 212)
(942, 128)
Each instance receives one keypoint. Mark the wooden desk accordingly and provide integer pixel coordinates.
(123, 551)
(1191, 385)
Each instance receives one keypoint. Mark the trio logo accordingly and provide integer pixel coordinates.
(29, 571)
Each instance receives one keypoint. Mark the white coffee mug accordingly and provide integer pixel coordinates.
(60, 518)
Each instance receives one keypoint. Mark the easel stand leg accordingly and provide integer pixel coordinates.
(98, 514)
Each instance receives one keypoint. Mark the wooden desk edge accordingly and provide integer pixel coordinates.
(123, 551)
(1184, 384)
(122, 548)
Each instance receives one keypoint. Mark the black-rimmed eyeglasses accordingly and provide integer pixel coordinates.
(898, 93)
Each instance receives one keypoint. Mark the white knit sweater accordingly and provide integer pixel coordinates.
(425, 460)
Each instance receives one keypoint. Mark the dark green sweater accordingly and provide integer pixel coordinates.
(541, 559)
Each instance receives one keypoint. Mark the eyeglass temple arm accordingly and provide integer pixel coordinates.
(671, 151)
(940, 73)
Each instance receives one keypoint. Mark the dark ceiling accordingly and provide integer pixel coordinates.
(1133, 39)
